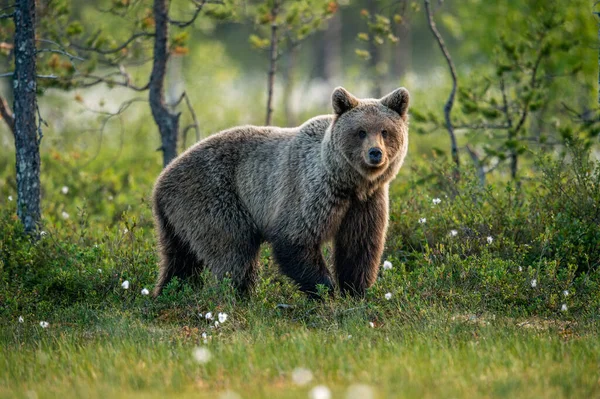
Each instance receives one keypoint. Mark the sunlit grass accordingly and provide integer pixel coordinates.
(438, 354)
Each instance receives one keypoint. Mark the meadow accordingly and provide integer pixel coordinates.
(490, 279)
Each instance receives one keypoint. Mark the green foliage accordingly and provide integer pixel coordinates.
(492, 242)
(295, 20)
(523, 101)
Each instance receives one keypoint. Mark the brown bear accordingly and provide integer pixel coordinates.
(294, 188)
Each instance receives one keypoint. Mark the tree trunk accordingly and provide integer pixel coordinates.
(332, 49)
(272, 62)
(450, 101)
(290, 116)
(25, 108)
(167, 121)
(403, 53)
(514, 164)
(375, 54)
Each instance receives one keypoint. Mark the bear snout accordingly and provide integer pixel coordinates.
(375, 156)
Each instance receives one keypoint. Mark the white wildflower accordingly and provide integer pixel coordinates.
(145, 291)
(217, 323)
(563, 308)
(208, 316)
(349, 336)
(371, 324)
(320, 392)
(99, 270)
(360, 391)
(43, 233)
(490, 239)
(21, 319)
(388, 296)
(534, 283)
(125, 230)
(520, 268)
(64, 190)
(10, 198)
(566, 293)
(387, 265)
(453, 233)
(110, 197)
(229, 395)
(125, 285)
(202, 355)
(301, 376)
(64, 215)
(436, 201)
(44, 324)
(204, 335)
(422, 220)
(222, 317)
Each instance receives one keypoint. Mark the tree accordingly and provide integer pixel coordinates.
(521, 78)
(289, 24)
(450, 101)
(27, 134)
(380, 28)
(163, 46)
(167, 121)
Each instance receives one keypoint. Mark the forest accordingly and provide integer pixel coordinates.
(489, 283)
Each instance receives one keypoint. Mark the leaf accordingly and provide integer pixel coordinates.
(362, 54)
(258, 42)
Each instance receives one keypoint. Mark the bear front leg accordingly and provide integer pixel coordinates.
(359, 243)
(304, 264)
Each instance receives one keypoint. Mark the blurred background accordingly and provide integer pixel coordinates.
(222, 60)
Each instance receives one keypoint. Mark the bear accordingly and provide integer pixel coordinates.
(293, 188)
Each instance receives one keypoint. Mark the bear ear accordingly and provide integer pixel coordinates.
(342, 100)
(398, 101)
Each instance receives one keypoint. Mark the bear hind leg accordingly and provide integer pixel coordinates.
(238, 261)
(177, 259)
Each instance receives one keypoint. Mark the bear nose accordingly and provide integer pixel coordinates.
(375, 155)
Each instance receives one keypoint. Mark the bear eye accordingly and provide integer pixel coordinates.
(362, 134)
(384, 134)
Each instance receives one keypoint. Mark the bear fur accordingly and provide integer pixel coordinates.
(294, 188)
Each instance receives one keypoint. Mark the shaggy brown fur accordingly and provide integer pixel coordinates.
(293, 188)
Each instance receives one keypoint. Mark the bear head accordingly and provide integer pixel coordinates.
(371, 134)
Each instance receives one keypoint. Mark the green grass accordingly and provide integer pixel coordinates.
(432, 353)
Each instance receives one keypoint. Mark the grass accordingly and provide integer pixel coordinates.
(431, 353)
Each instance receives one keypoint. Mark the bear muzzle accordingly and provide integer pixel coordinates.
(375, 157)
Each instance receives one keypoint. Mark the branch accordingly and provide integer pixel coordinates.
(194, 117)
(41, 122)
(7, 114)
(62, 50)
(450, 101)
(10, 75)
(199, 7)
(478, 165)
(505, 103)
(106, 79)
(481, 126)
(533, 84)
(108, 117)
(116, 49)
